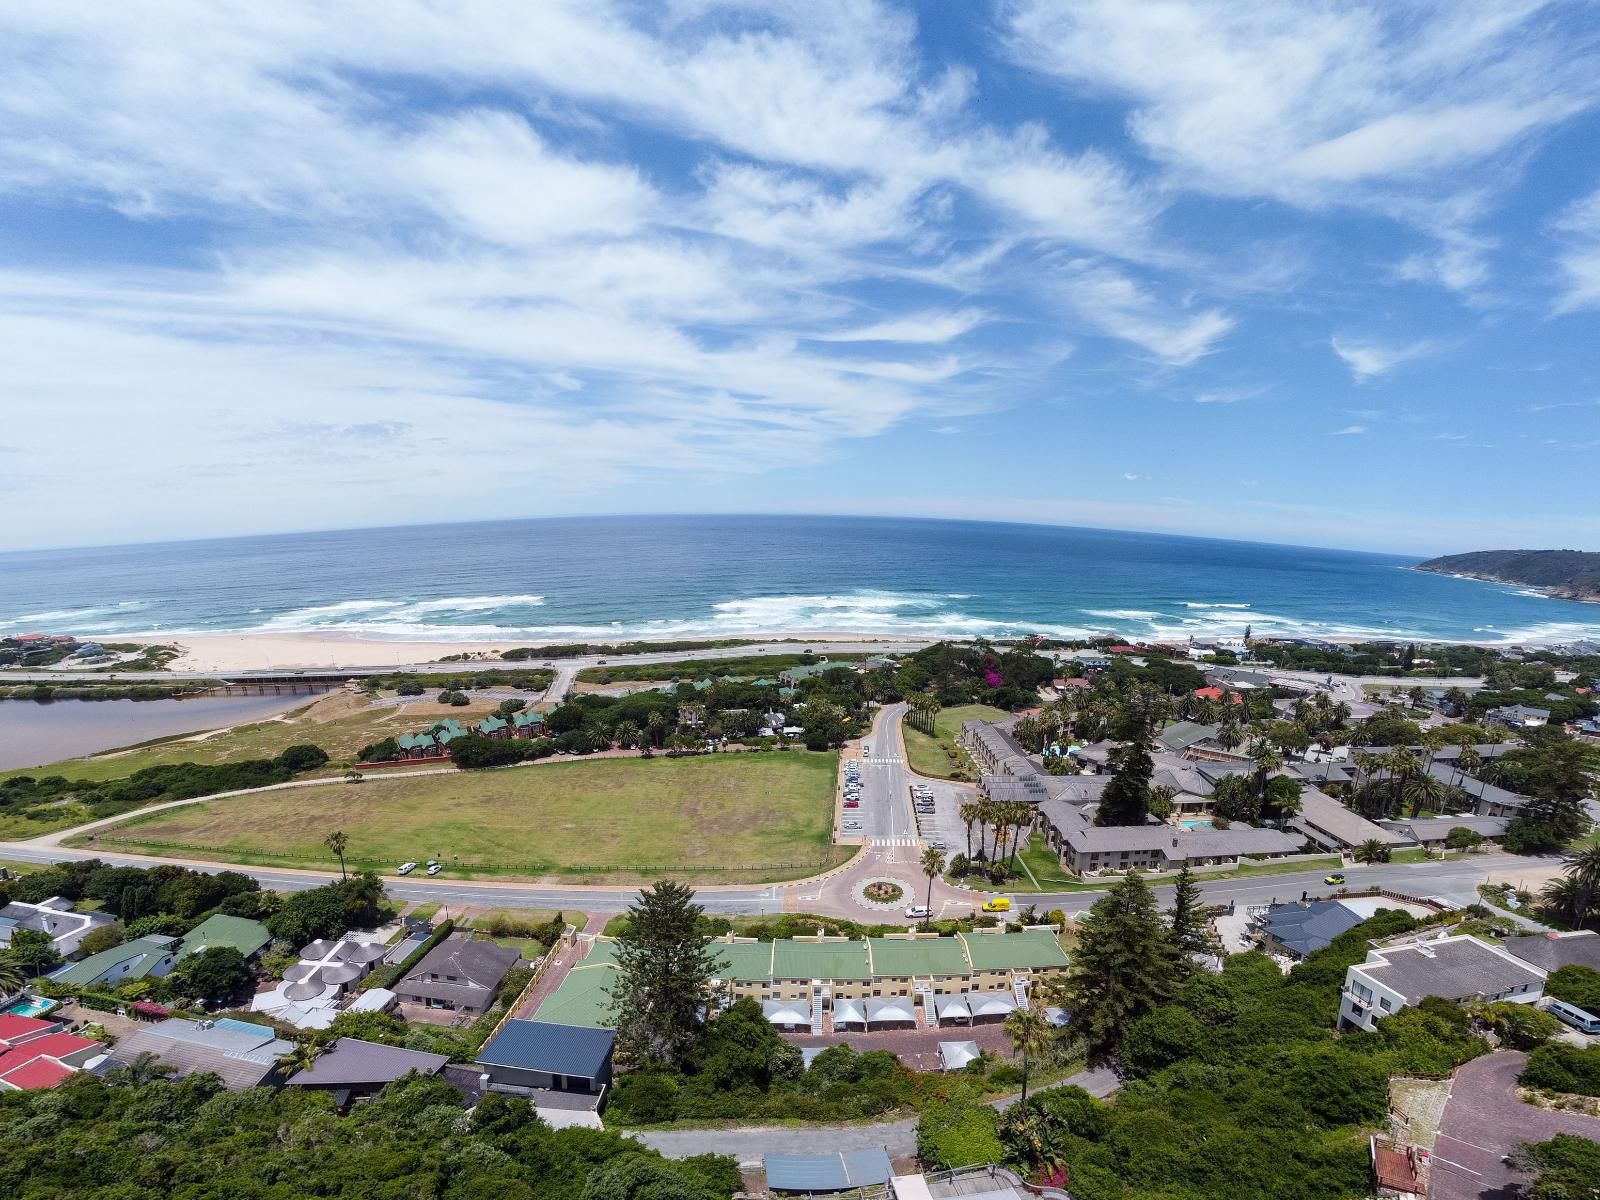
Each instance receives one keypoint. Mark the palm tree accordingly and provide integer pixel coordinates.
(657, 722)
(969, 814)
(1229, 735)
(1371, 851)
(1583, 868)
(1030, 1034)
(932, 867)
(1019, 817)
(1565, 896)
(337, 841)
(1423, 791)
(145, 1068)
(302, 1057)
(1266, 760)
(12, 974)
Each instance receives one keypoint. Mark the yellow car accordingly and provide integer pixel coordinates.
(997, 904)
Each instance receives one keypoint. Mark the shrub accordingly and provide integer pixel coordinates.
(1558, 1067)
(302, 757)
(1576, 985)
(1521, 1026)
(959, 1134)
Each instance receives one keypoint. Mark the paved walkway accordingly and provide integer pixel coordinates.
(899, 1138)
(1483, 1122)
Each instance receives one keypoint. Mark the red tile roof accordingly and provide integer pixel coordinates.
(23, 1062)
(1214, 693)
(40, 1073)
(15, 1028)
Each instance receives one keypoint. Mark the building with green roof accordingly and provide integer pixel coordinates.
(584, 997)
(1028, 949)
(244, 935)
(820, 960)
(493, 726)
(142, 958)
(899, 960)
(744, 962)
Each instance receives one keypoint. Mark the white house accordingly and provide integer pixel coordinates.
(1459, 967)
(54, 916)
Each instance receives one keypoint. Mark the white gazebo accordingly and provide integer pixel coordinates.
(956, 1055)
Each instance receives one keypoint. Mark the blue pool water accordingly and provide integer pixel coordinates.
(1198, 823)
(31, 1006)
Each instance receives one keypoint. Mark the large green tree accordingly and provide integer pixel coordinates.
(1126, 800)
(1125, 965)
(213, 974)
(665, 968)
(1189, 934)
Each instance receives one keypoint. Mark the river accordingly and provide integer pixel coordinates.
(32, 734)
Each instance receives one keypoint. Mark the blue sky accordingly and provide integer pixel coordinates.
(1324, 273)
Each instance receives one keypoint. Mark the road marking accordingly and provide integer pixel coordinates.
(896, 841)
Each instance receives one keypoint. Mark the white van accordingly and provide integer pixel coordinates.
(1580, 1019)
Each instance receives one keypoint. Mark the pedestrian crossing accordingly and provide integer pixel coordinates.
(886, 760)
(896, 841)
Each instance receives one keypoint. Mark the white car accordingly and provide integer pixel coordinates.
(406, 868)
(435, 868)
(918, 912)
(866, 752)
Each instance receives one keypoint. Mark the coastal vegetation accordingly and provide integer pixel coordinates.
(32, 806)
(750, 667)
(156, 1139)
(1237, 1086)
(1573, 574)
(724, 818)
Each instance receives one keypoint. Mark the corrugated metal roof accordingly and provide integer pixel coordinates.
(827, 1172)
(905, 957)
(1003, 951)
(553, 1049)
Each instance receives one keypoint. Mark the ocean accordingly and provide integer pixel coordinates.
(662, 577)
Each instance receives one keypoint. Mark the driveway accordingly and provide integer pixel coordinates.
(1483, 1122)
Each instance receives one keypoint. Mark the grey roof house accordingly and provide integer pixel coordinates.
(241, 1054)
(352, 1069)
(1552, 951)
(460, 973)
(1459, 967)
(1296, 930)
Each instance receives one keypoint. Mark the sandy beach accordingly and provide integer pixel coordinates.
(225, 652)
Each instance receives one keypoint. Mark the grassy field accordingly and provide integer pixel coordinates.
(340, 723)
(925, 754)
(722, 819)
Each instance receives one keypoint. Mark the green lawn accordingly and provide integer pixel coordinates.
(727, 818)
(927, 755)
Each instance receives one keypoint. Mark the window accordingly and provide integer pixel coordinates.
(1383, 1003)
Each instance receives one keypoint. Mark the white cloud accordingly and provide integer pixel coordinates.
(1369, 360)
(1349, 431)
(1117, 305)
(1373, 106)
(928, 327)
(1579, 228)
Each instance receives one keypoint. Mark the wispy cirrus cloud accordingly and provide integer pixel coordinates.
(1370, 359)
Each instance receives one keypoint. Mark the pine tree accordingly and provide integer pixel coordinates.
(664, 973)
(1189, 934)
(1126, 800)
(1125, 965)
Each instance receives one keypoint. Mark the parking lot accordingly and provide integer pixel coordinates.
(940, 821)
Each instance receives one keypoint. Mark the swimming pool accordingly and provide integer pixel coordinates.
(1198, 823)
(31, 1006)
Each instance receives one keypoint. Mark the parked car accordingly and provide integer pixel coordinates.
(435, 868)
(406, 868)
(852, 804)
(918, 912)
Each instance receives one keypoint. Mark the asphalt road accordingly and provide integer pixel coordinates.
(885, 800)
(1455, 879)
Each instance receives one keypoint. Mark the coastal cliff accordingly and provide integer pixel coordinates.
(1569, 574)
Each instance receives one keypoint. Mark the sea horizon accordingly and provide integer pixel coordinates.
(658, 578)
